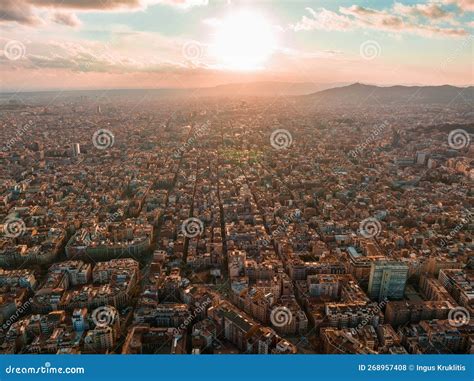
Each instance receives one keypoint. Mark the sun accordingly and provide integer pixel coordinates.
(243, 41)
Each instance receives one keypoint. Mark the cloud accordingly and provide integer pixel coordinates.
(463, 5)
(68, 19)
(430, 11)
(400, 19)
(107, 5)
(183, 4)
(76, 57)
(433, 31)
(23, 11)
(87, 4)
(323, 19)
(130, 52)
(372, 18)
(298, 54)
(18, 11)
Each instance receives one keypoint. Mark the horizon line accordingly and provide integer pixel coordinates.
(48, 90)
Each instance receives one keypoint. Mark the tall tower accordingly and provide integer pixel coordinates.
(76, 149)
(387, 279)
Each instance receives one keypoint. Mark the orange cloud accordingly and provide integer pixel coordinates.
(400, 19)
(63, 18)
(24, 11)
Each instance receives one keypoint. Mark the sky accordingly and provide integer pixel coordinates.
(90, 44)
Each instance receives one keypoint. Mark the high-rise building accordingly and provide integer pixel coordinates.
(99, 339)
(421, 158)
(76, 149)
(387, 280)
(79, 319)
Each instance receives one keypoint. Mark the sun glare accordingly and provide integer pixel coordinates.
(243, 41)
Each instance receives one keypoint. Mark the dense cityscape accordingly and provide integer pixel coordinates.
(135, 223)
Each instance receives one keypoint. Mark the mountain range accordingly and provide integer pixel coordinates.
(328, 93)
(359, 93)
